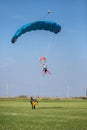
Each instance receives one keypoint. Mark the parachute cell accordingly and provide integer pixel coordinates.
(38, 25)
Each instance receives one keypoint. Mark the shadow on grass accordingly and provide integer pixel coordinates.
(50, 107)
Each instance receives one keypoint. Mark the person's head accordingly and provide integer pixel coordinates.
(31, 98)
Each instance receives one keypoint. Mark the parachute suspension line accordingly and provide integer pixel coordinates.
(47, 50)
(48, 45)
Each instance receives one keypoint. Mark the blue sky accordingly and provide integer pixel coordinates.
(66, 52)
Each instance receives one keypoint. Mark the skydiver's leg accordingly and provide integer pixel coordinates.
(43, 72)
(48, 71)
(32, 106)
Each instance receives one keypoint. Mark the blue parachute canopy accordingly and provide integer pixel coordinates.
(38, 25)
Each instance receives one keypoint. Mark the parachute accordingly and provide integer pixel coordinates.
(38, 25)
(43, 61)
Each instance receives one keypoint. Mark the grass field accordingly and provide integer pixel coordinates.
(50, 114)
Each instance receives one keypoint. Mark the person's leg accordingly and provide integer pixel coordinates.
(48, 71)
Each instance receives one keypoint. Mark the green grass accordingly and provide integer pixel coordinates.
(50, 114)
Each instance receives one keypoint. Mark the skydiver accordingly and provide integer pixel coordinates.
(45, 70)
(33, 102)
